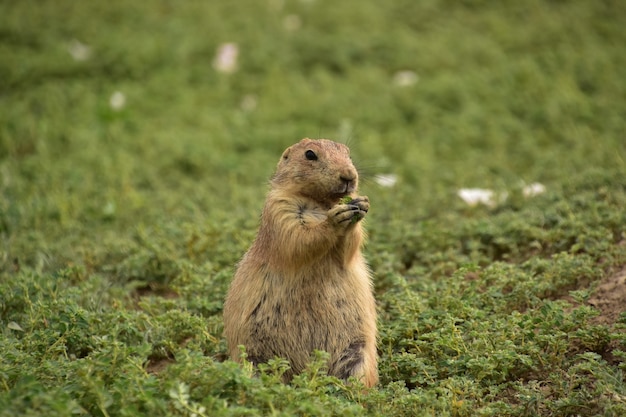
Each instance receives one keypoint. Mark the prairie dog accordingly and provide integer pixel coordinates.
(304, 285)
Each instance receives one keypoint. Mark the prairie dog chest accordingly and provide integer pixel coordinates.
(309, 214)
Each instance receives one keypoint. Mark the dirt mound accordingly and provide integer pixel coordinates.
(610, 297)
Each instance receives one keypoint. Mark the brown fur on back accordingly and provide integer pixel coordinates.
(303, 285)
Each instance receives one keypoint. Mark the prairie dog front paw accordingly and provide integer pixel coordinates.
(349, 213)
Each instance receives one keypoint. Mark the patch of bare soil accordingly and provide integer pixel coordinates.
(610, 297)
(155, 289)
(158, 365)
(151, 290)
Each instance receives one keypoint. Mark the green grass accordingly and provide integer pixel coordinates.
(120, 229)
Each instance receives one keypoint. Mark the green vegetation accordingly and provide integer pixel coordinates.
(132, 175)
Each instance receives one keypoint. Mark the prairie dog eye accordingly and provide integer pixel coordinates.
(310, 155)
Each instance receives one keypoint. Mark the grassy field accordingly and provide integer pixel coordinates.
(133, 169)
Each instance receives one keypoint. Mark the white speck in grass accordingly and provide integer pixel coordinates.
(14, 326)
(533, 189)
(405, 78)
(292, 22)
(108, 211)
(117, 101)
(78, 50)
(226, 58)
(475, 196)
(386, 180)
(248, 103)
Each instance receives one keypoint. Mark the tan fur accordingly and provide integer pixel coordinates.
(303, 285)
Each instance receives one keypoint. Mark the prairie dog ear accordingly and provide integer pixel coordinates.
(286, 154)
(284, 158)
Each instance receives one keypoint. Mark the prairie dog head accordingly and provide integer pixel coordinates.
(317, 168)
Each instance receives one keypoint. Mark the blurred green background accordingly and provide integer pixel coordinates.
(133, 168)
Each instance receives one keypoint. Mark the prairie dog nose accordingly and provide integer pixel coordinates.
(347, 178)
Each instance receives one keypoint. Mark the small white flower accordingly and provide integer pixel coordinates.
(78, 50)
(386, 180)
(226, 58)
(292, 22)
(117, 101)
(405, 78)
(533, 189)
(475, 196)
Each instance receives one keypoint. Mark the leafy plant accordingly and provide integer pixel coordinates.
(133, 172)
